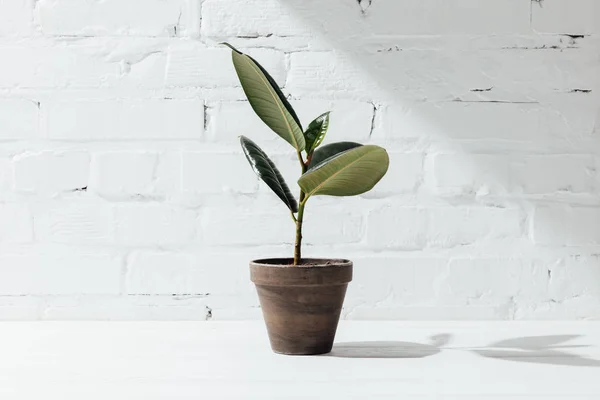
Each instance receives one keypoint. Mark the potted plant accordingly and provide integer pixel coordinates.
(302, 298)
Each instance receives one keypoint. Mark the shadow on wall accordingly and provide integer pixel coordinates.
(514, 111)
(519, 106)
(435, 51)
(529, 349)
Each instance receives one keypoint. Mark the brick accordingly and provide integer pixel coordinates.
(227, 119)
(530, 174)
(566, 226)
(50, 172)
(255, 226)
(19, 119)
(480, 280)
(166, 273)
(404, 175)
(168, 174)
(234, 173)
(124, 174)
(573, 277)
(513, 123)
(43, 64)
(191, 64)
(154, 225)
(82, 223)
(574, 17)
(68, 274)
(231, 227)
(16, 224)
(111, 17)
(402, 228)
(249, 18)
(15, 18)
(125, 308)
(152, 272)
(411, 228)
(326, 225)
(383, 280)
(325, 73)
(471, 173)
(462, 226)
(125, 120)
(554, 173)
(439, 17)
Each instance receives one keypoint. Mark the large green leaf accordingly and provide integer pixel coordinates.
(268, 172)
(315, 133)
(267, 100)
(330, 150)
(348, 173)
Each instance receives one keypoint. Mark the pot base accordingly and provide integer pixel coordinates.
(301, 304)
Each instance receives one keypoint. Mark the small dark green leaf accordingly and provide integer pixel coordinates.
(330, 150)
(268, 172)
(315, 133)
(267, 100)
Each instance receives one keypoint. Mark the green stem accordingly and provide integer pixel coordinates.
(302, 164)
(299, 218)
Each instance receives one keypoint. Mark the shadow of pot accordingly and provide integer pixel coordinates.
(301, 304)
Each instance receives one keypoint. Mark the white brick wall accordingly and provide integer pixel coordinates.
(124, 193)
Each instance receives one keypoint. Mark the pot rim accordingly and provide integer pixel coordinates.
(281, 272)
(287, 262)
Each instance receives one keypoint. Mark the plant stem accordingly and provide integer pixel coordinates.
(298, 244)
(302, 164)
(299, 218)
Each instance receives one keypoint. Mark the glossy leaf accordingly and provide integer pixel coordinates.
(315, 133)
(349, 173)
(330, 150)
(268, 172)
(267, 100)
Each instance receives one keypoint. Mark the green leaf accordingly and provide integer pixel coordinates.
(330, 150)
(267, 100)
(268, 172)
(348, 173)
(315, 133)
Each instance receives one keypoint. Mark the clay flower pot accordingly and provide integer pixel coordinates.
(301, 303)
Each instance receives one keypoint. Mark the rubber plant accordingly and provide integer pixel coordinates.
(335, 169)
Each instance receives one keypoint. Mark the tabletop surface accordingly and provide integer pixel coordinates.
(232, 360)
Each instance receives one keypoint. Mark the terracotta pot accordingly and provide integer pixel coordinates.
(301, 304)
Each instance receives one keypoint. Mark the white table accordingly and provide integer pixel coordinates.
(232, 360)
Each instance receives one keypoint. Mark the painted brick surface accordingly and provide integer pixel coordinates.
(124, 193)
